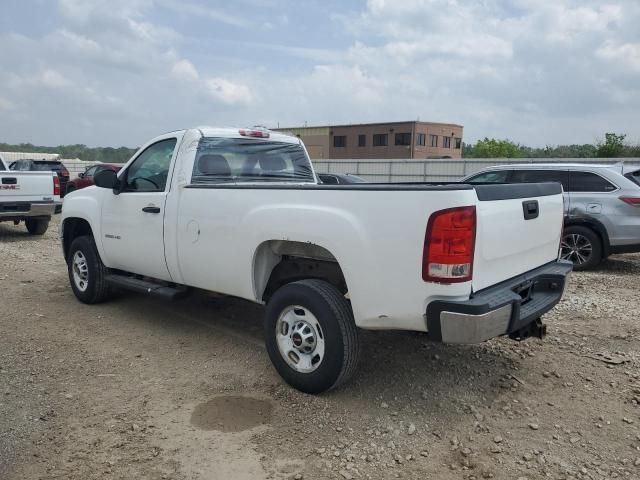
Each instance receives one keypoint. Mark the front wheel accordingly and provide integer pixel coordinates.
(37, 226)
(87, 272)
(582, 246)
(311, 336)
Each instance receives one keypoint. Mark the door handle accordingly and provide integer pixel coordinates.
(530, 209)
(9, 181)
(151, 209)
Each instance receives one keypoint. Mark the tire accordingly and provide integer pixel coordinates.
(87, 272)
(37, 226)
(317, 309)
(582, 246)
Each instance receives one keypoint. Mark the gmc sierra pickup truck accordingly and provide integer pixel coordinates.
(241, 212)
(32, 197)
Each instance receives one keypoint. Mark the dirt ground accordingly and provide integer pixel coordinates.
(141, 388)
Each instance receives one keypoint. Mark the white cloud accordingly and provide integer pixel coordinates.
(184, 70)
(537, 71)
(52, 79)
(626, 54)
(6, 105)
(228, 92)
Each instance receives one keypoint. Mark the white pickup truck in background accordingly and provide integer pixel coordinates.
(32, 197)
(241, 212)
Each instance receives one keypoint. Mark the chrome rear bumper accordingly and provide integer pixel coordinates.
(508, 308)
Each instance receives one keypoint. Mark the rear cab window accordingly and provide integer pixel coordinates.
(589, 182)
(250, 160)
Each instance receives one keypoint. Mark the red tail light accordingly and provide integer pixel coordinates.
(449, 245)
(56, 185)
(633, 201)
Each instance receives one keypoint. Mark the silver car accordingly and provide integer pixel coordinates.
(602, 205)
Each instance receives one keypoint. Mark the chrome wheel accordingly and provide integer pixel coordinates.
(80, 271)
(300, 339)
(576, 248)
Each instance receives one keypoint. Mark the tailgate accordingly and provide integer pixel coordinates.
(518, 230)
(26, 186)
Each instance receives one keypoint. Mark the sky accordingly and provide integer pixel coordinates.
(119, 72)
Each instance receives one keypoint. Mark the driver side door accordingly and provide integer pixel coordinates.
(133, 221)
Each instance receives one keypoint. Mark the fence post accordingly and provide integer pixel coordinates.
(424, 171)
(390, 171)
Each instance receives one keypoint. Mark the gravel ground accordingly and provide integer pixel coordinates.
(140, 388)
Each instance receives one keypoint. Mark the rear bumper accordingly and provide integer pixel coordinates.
(22, 210)
(507, 308)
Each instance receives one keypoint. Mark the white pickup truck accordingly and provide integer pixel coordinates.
(240, 212)
(32, 197)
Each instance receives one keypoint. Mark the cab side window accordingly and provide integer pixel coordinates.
(91, 171)
(150, 170)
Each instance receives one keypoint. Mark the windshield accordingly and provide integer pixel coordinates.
(249, 160)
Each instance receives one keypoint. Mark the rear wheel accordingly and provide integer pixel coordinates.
(311, 336)
(582, 246)
(87, 272)
(37, 226)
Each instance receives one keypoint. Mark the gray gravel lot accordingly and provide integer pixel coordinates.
(140, 388)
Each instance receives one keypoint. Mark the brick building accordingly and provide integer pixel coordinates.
(382, 140)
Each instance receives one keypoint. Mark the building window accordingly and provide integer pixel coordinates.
(420, 139)
(339, 141)
(403, 139)
(434, 140)
(458, 143)
(446, 142)
(380, 140)
(362, 140)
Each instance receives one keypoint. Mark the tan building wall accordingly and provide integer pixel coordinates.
(442, 131)
(316, 139)
(321, 142)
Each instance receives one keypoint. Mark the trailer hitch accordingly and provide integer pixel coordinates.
(534, 329)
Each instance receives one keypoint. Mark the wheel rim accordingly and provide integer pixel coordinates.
(577, 248)
(80, 271)
(300, 339)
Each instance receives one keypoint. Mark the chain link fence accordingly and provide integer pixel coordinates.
(440, 170)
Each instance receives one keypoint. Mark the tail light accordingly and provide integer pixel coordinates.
(254, 133)
(449, 245)
(56, 185)
(633, 201)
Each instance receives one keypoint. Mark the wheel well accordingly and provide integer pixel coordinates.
(597, 228)
(72, 229)
(278, 262)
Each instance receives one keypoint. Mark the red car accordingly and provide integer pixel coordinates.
(85, 179)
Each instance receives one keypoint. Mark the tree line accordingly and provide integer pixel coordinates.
(613, 146)
(91, 154)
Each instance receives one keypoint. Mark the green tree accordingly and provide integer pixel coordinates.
(613, 145)
(492, 148)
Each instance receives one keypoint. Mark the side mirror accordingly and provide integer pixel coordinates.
(107, 179)
(81, 175)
